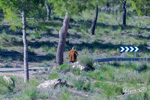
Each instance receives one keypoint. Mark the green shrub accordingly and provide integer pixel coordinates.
(75, 71)
(45, 48)
(31, 51)
(110, 90)
(130, 65)
(106, 31)
(54, 75)
(86, 86)
(81, 84)
(96, 84)
(38, 33)
(84, 52)
(95, 75)
(65, 95)
(86, 37)
(53, 49)
(34, 83)
(138, 30)
(142, 68)
(87, 62)
(4, 37)
(78, 84)
(43, 96)
(82, 27)
(5, 87)
(28, 93)
(65, 68)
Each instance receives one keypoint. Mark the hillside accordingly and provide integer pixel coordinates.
(106, 82)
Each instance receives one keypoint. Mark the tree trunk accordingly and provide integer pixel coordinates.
(26, 71)
(62, 39)
(94, 21)
(48, 10)
(107, 4)
(146, 96)
(146, 12)
(125, 13)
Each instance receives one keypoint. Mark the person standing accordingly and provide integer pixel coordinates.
(73, 55)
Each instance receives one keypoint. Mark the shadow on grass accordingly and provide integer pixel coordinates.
(38, 44)
(142, 68)
(74, 36)
(141, 37)
(14, 55)
(108, 46)
(6, 66)
(88, 24)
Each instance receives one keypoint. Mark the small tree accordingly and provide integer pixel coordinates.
(125, 4)
(125, 12)
(96, 3)
(13, 9)
(94, 21)
(48, 10)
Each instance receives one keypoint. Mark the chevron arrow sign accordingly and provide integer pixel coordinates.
(129, 49)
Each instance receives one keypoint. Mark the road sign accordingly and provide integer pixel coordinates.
(129, 49)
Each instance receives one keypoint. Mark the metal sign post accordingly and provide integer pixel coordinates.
(123, 54)
(135, 54)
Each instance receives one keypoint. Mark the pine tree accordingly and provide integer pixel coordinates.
(13, 9)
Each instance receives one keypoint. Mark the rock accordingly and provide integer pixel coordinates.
(9, 80)
(42, 72)
(78, 66)
(52, 83)
(97, 64)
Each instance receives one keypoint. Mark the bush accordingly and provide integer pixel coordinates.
(65, 95)
(65, 68)
(43, 96)
(29, 93)
(81, 84)
(31, 50)
(54, 75)
(4, 37)
(75, 71)
(110, 89)
(5, 87)
(130, 65)
(87, 62)
(142, 68)
(96, 84)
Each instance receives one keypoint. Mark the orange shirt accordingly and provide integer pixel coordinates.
(73, 55)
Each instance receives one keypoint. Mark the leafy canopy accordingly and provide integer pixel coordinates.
(72, 6)
(12, 10)
(141, 6)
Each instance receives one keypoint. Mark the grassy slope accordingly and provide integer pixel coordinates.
(110, 35)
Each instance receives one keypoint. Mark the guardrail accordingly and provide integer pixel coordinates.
(121, 59)
(22, 69)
